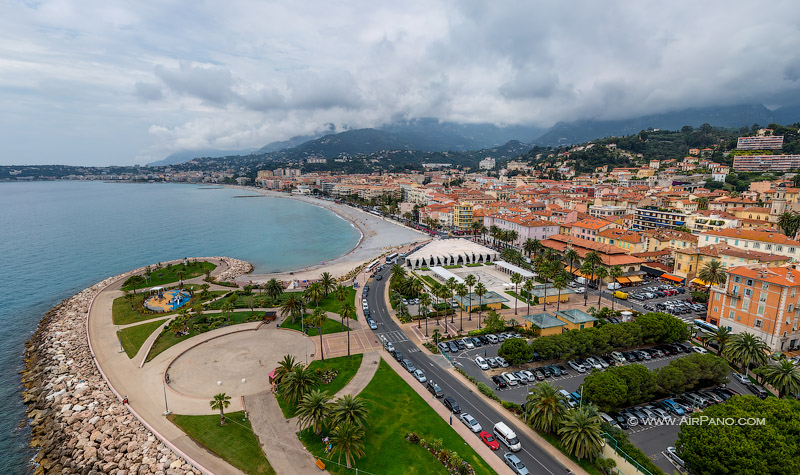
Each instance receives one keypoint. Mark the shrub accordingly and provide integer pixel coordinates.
(413, 438)
(512, 406)
(487, 391)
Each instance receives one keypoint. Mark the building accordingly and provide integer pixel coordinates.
(576, 319)
(630, 241)
(543, 324)
(609, 255)
(762, 241)
(446, 252)
(763, 163)
(608, 213)
(527, 226)
(706, 220)
(589, 228)
(651, 217)
(462, 216)
(688, 262)
(487, 163)
(761, 301)
(471, 302)
(769, 142)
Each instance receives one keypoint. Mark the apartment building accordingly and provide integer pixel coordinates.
(747, 239)
(651, 217)
(462, 216)
(608, 213)
(772, 163)
(770, 142)
(590, 227)
(630, 241)
(527, 226)
(660, 239)
(759, 300)
(707, 220)
(688, 262)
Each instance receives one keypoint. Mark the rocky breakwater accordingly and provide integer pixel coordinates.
(236, 268)
(78, 424)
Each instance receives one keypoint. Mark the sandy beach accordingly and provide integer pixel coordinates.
(378, 235)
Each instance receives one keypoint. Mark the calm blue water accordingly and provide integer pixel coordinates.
(57, 238)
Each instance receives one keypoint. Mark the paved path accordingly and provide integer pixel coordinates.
(369, 365)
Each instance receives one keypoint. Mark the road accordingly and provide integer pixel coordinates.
(436, 368)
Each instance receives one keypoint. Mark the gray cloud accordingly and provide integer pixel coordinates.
(148, 91)
(209, 83)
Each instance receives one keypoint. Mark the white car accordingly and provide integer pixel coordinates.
(482, 364)
(470, 422)
(529, 375)
(580, 290)
(510, 379)
(468, 343)
(420, 376)
(741, 378)
(595, 364)
(697, 349)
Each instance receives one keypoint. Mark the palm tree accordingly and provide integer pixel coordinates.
(461, 291)
(571, 256)
(451, 287)
(397, 270)
(424, 302)
(348, 312)
(545, 271)
(318, 319)
(483, 232)
(327, 282)
(416, 287)
(783, 376)
(298, 383)
(292, 307)
(721, 337)
(789, 222)
(227, 309)
(181, 274)
(560, 281)
(713, 273)
(544, 407)
(314, 410)
(349, 409)
(480, 291)
(511, 236)
(581, 433)
(314, 292)
(470, 281)
(273, 289)
(615, 272)
(587, 270)
(348, 440)
(601, 273)
(443, 293)
(528, 287)
(516, 279)
(747, 348)
(528, 246)
(494, 231)
(594, 260)
(220, 402)
(286, 365)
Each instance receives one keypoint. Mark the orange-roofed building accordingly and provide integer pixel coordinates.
(763, 241)
(589, 228)
(609, 255)
(630, 241)
(527, 226)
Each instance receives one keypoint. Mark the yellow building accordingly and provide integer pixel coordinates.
(472, 302)
(689, 261)
(660, 239)
(759, 214)
(462, 216)
(576, 319)
(630, 241)
(543, 324)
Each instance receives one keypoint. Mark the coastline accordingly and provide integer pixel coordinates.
(78, 421)
(378, 236)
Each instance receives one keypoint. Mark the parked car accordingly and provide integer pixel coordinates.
(499, 382)
(453, 347)
(622, 421)
(672, 407)
(758, 391)
(577, 367)
(492, 362)
(567, 397)
(451, 404)
(398, 356)
(372, 324)
(741, 378)
(388, 346)
(672, 453)
(564, 370)
(481, 363)
(434, 389)
(520, 377)
(460, 344)
(700, 350)
(511, 380)
(515, 463)
(489, 440)
(492, 339)
(420, 376)
(470, 422)
(468, 344)
(408, 365)
(443, 347)
(502, 362)
(477, 342)
(539, 374)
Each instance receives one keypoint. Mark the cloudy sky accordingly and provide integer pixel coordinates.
(98, 82)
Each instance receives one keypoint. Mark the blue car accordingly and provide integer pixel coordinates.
(673, 407)
(576, 396)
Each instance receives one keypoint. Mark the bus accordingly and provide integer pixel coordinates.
(374, 265)
(391, 257)
(704, 325)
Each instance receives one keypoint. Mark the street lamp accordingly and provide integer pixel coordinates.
(120, 341)
(166, 406)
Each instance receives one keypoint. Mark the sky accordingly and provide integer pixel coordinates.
(99, 82)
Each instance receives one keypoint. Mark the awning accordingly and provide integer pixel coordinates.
(634, 278)
(699, 281)
(673, 278)
(593, 277)
(623, 280)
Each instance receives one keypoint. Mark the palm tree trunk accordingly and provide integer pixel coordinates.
(558, 304)
(461, 320)
(515, 300)
(544, 299)
(321, 351)
(348, 341)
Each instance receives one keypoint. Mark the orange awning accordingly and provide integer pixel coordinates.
(623, 280)
(634, 278)
(672, 277)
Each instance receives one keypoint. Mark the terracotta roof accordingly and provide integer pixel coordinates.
(785, 276)
(591, 223)
(754, 235)
(717, 250)
(610, 255)
(621, 234)
(670, 234)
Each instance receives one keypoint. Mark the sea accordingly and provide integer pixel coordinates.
(57, 238)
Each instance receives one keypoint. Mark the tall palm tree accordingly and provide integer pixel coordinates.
(314, 410)
(747, 348)
(516, 279)
(348, 311)
(476, 227)
(494, 231)
(480, 291)
(528, 287)
(273, 289)
(298, 383)
(594, 260)
(483, 232)
(220, 402)
(512, 236)
(443, 293)
(560, 281)
(784, 376)
(327, 282)
(470, 281)
(181, 274)
(292, 307)
(721, 337)
(416, 287)
(614, 273)
(581, 433)
(587, 270)
(789, 222)
(713, 273)
(461, 291)
(545, 271)
(286, 365)
(601, 273)
(318, 319)
(348, 440)
(349, 409)
(451, 287)
(424, 303)
(227, 310)
(571, 256)
(544, 407)
(314, 293)
(528, 246)
(397, 270)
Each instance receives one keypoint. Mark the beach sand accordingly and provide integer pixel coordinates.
(378, 235)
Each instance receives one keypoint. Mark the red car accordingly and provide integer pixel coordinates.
(489, 440)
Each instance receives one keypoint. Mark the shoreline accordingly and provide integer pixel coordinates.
(378, 236)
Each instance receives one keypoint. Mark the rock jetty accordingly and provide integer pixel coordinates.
(78, 424)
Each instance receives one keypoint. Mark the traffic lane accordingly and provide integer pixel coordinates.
(534, 457)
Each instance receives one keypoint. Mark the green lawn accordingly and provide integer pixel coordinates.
(330, 304)
(348, 367)
(134, 337)
(168, 338)
(123, 314)
(332, 325)
(395, 410)
(234, 442)
(430, 281)
(477, 264)
(169, 274)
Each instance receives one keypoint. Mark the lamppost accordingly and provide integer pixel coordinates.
(166, 406)
(120, 341)
(426, 326)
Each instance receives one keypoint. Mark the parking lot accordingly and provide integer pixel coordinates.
(652, 304)
(652, 439)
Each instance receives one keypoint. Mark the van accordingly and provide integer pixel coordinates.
(581, 280)
(507, 436)
(618, 357)
(614, 286)
(621, 295)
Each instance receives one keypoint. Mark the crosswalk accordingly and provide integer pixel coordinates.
(394, 337)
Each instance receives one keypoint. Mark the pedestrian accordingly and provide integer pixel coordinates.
(484, 353)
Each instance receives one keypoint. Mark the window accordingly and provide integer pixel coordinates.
(748, 293)
(794, 291)
(791, 250)
(761, 308)
(716, 309)
(765, 285)
(762, 297)
(735, 290)
(717, 296)
(779, 248)
(745, 305)
(737, 279)
(738, 319)
(732, 314)
(757, 323)
(791, 307)
(749, 281)
(756, 245)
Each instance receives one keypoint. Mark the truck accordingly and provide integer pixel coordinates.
(582, 280)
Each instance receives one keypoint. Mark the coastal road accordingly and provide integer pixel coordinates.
(436, 368)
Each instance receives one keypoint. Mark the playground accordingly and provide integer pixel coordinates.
(166, 301)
